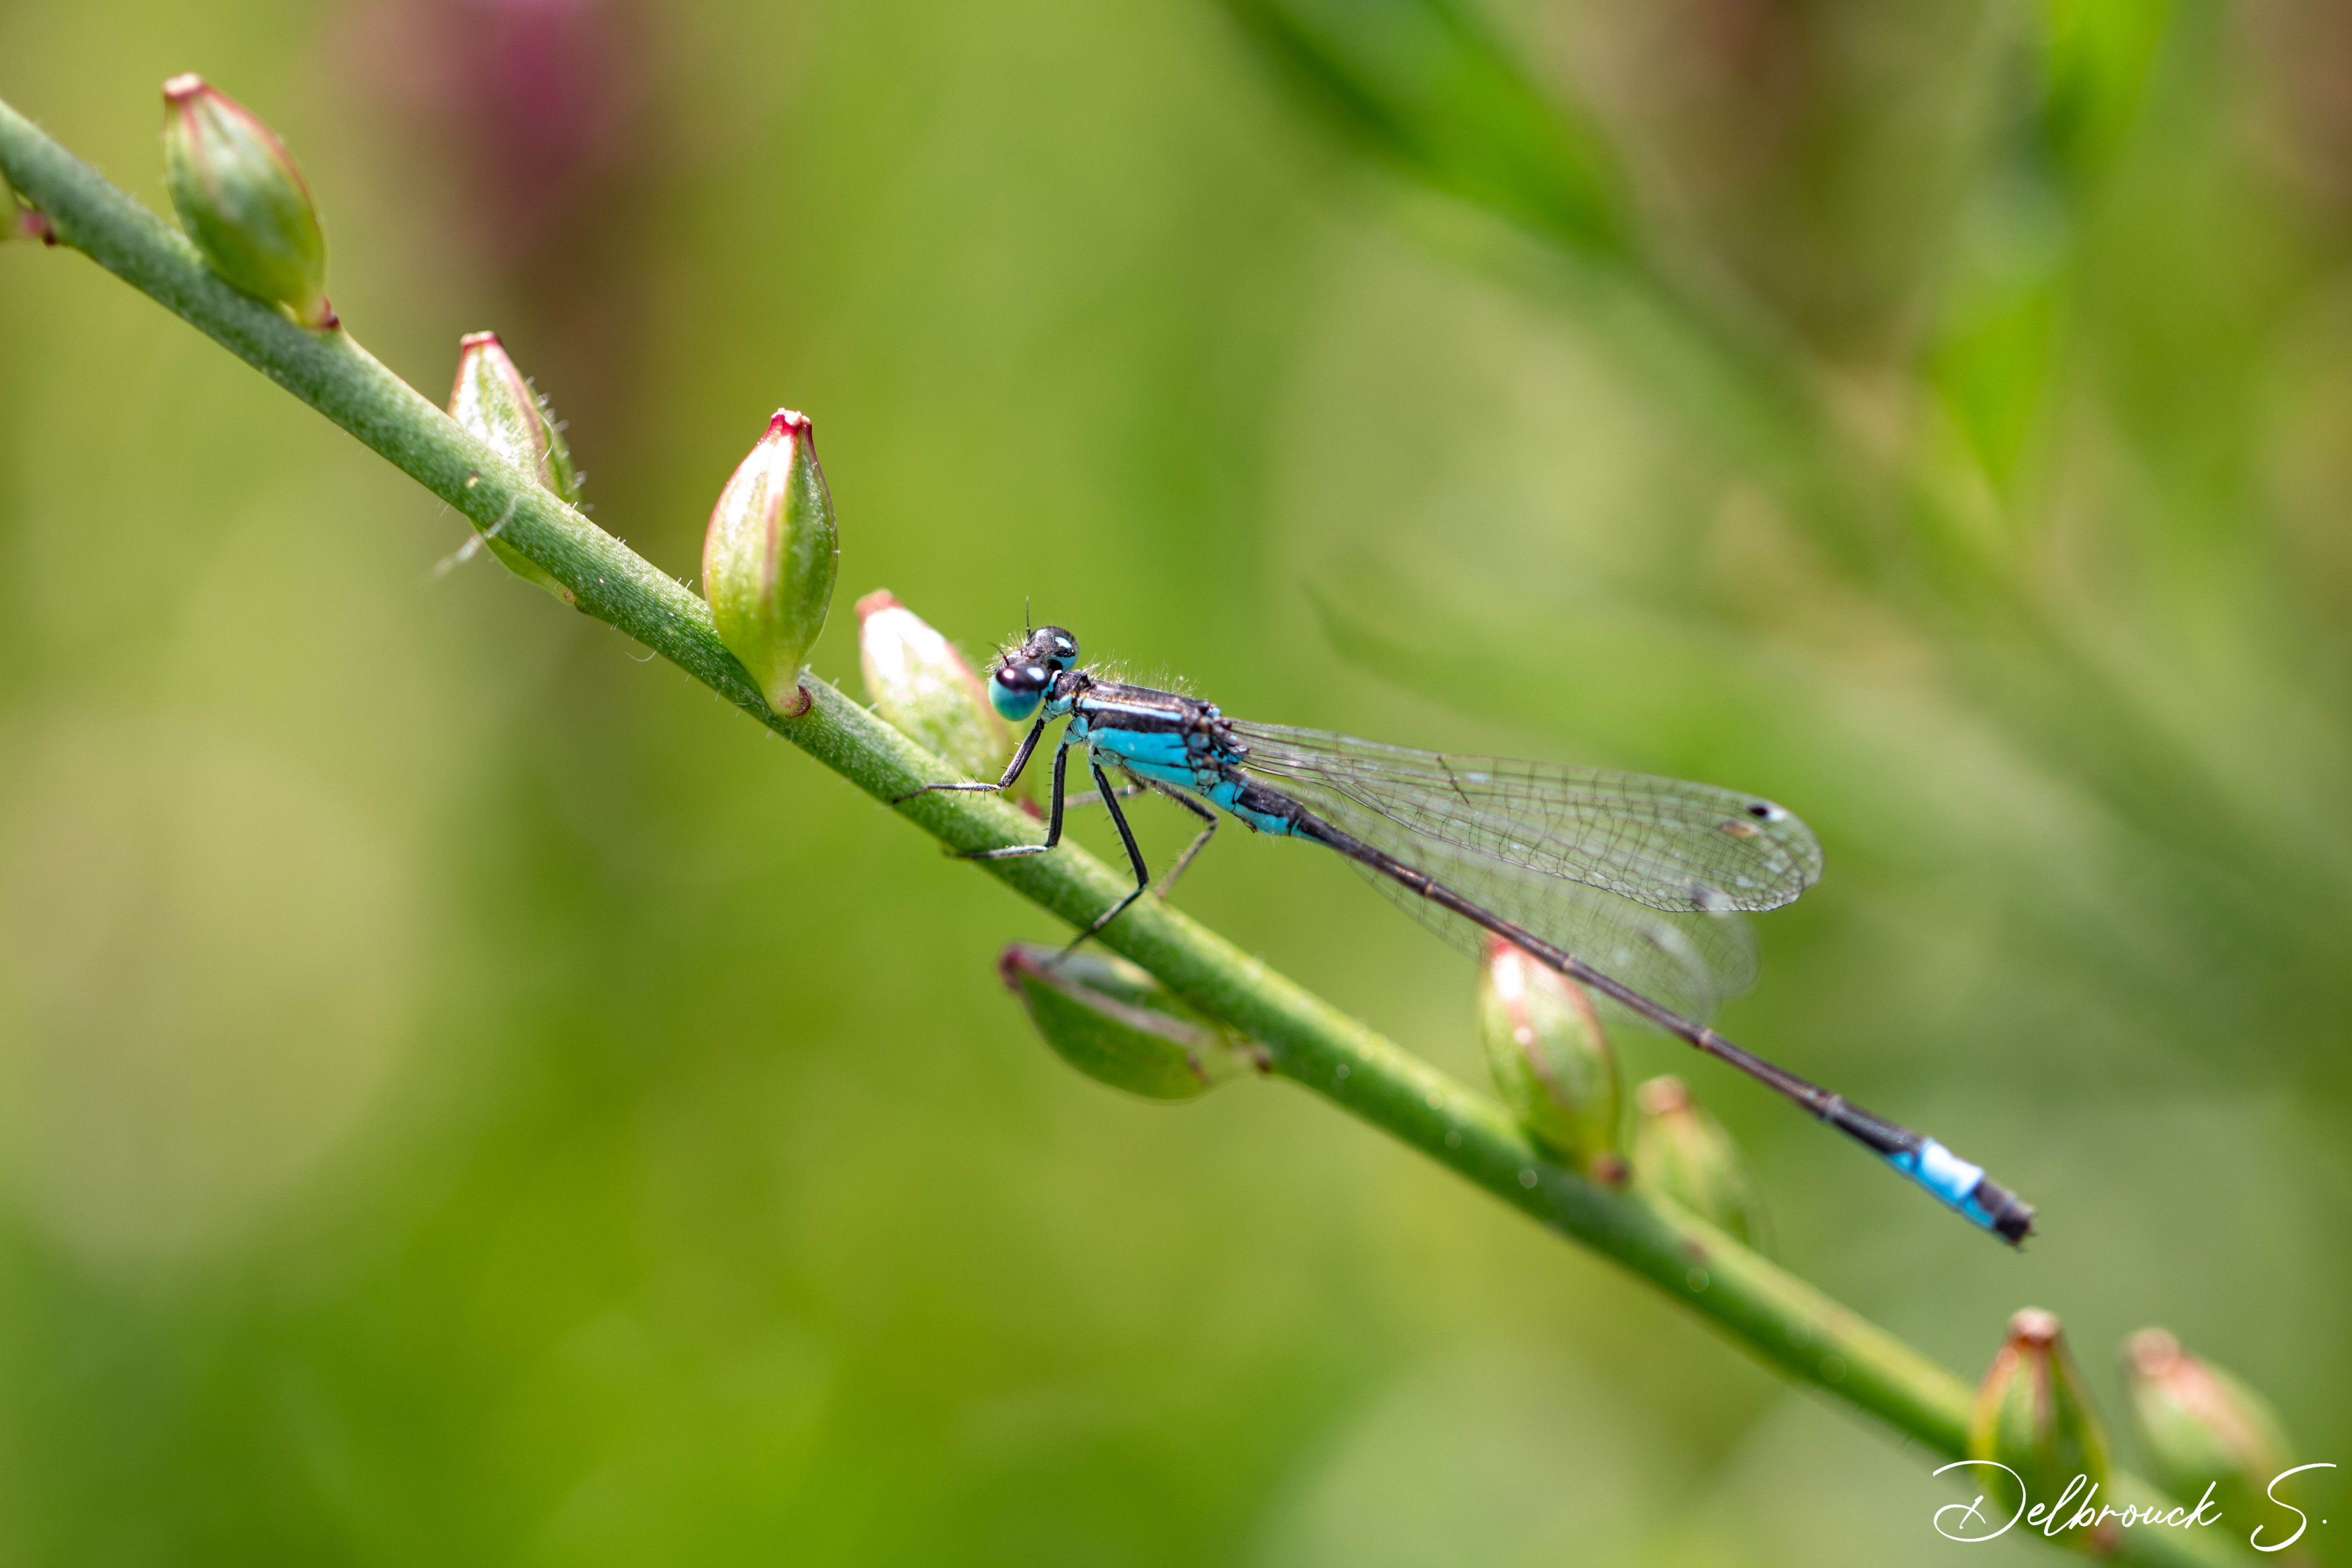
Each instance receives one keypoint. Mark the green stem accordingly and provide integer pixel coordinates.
(1776, 1316)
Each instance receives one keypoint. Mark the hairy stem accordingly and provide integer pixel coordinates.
(1775, 1316)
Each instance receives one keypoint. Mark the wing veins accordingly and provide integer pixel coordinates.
(1660, 842)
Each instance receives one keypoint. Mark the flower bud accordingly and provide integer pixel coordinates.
(1551, 1062)
(1681, 1150)
(769, 560)
(497, 407)
(2201, 1427)
(922, 684)
(1120, 1027)
(242, 201)
(2033, 1416)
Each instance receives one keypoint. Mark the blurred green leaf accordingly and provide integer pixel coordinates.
(1998, 347)
(1429, 87)
(2097, 57)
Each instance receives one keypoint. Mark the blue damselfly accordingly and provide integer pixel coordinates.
(1630, 885)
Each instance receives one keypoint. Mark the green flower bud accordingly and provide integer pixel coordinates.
(768, 560)
(1552, 1061)
(1119, 1025)
(1681, 1151)
(242, 200)
(497, 407)
(920, 683)
(2033, 1416)
(2201, 1428)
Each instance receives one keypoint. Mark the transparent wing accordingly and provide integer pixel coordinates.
(1639, 876)
(1690, 960)
(1667, 844)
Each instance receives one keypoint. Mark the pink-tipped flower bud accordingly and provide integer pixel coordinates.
(497, 407)
(2034, 1417)
(1552, 1061)
(768, 560)
(1120, 1027)
(1682, 1152)
(922, 683)
(243, 201)
(2201, 1428)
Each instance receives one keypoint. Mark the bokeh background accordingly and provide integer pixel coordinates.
(466, 1097)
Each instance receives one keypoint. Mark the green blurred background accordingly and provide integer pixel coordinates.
(466, 1097)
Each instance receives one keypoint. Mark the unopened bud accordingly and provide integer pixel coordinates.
(2201, 1427)
(1120, 1027)
(769, 560)
(1681, 1150)
(922, 683)
(1552, 1061)
(497, 407)
(2033, 1416)
(242, 201)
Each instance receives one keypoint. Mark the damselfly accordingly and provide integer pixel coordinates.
(1628, 885)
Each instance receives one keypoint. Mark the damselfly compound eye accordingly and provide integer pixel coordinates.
(1017, 675)
(1017, 687)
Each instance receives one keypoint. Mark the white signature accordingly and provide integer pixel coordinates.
(2082, 1495)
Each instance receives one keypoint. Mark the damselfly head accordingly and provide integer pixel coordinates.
(1023, 675)
(1052, 647)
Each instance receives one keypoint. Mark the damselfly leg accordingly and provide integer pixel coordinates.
(1125, 837)
(1108, 796)
(1200, 840)
(1011, 773)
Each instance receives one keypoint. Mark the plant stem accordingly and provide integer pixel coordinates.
(1775, 1316)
